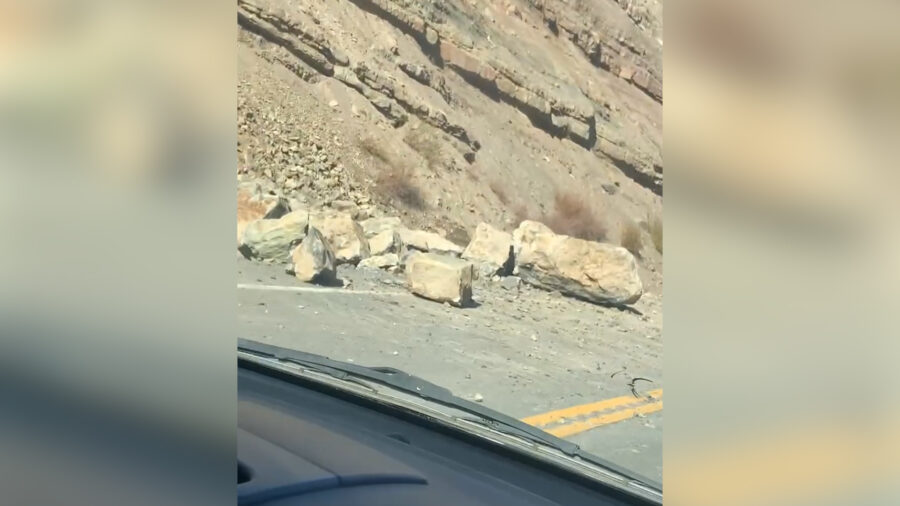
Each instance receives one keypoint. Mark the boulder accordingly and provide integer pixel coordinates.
(440, 278)
(379, 261)
(385, 242)
(272, 239)
(597, 272)
(428, 242)
(374, 226)
(313, 260)
(343, 234)
(253, 204)
(526, 231)
(492, 248)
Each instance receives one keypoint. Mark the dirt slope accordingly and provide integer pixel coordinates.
(453, 113)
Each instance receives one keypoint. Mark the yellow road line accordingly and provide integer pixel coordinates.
(586, 409)
(570, 429)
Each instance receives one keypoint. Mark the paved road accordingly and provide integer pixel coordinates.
(527, 353)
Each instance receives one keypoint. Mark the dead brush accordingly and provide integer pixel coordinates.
(655, 227)
(396, 184)
(395, 180)
(575, 216)
(630, 238)
(375, 149)
(427, 145)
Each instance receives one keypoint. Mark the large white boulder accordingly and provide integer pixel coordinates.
(440, 278)
(598, 272)
(343, 233)
(253, 204)
(428, 242)
(385, 242)
(491, 248)
(526, 231)
(313, 260)
(272, 240)
(374, 226)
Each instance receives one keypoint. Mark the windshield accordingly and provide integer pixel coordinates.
(469, 194)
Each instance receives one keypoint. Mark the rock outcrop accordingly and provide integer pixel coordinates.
(567, 106)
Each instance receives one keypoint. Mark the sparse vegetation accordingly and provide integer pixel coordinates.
(395, 180)
(396, 183)
(574, 215)
(655, 226)
(499, 191)
(426, 144)
(630, 238)
(375, 149)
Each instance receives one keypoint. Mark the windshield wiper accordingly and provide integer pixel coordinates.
(413, 385)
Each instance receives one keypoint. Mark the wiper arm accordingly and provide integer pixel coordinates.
(416, 386)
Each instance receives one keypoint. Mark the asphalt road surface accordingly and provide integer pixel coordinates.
(561, 364)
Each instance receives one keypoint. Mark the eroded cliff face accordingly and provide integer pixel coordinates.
(494, 108)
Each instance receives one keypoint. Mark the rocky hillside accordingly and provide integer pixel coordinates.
(456, 113)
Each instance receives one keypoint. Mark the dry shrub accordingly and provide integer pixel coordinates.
(426, 144)
(655, 226)
(396, 183)
(630, 238)
(574, 215)
(395, 178)
(500, 192)
(376, 150)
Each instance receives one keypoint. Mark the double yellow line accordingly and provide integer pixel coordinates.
(570, 421)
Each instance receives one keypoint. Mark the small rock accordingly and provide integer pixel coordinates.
(510, 283)
(477, 397)
(379, 261)
(333, 104)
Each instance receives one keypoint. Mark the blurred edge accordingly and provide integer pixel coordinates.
(117, 139)
(782, 121)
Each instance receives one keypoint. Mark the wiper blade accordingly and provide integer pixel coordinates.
(407, 383)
